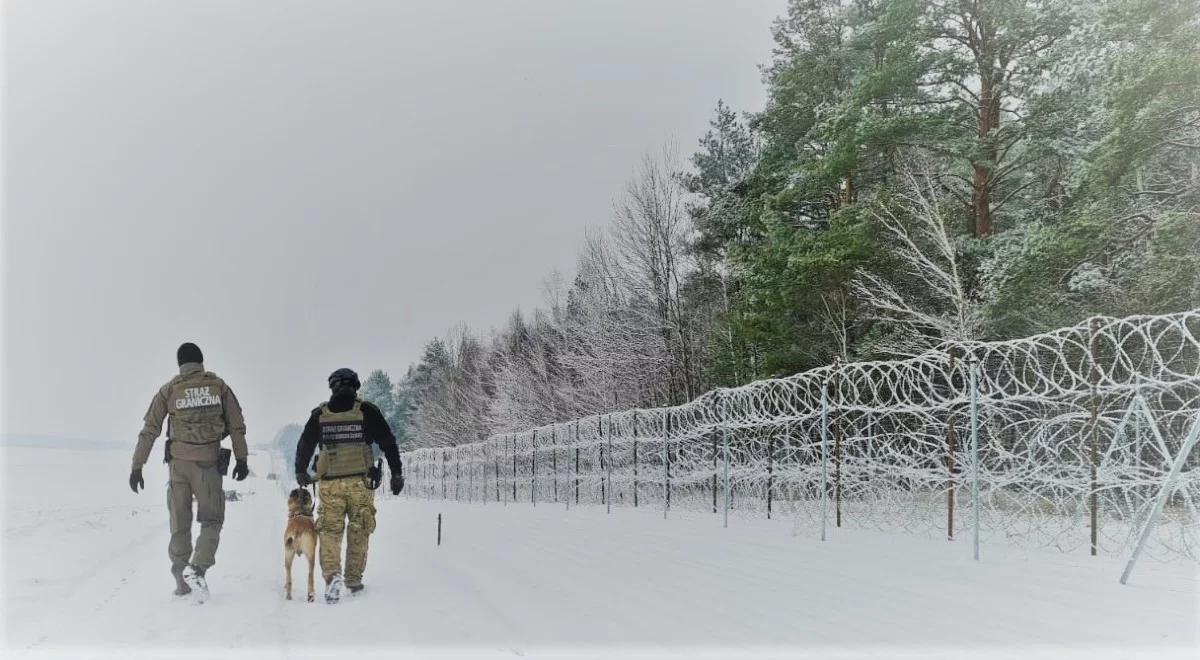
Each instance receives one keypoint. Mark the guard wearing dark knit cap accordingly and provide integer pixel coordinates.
(344, 428)
(201, 410)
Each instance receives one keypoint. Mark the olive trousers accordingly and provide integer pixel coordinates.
(202, 483)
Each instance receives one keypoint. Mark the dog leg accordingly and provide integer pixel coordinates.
(288, 556)
(312, 562)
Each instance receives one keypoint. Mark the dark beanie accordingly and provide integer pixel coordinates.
(189, 352)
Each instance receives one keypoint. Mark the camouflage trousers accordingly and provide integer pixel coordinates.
(345, 500)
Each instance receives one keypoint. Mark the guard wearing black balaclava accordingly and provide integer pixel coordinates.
(344, 428)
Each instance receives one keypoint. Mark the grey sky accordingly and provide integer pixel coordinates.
(299, 186)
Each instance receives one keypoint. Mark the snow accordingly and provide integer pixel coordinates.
(85, 575)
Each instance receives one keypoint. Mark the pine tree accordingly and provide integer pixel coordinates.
(378, 390)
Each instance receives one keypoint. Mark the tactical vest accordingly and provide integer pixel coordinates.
(197, 416)
(344, 448)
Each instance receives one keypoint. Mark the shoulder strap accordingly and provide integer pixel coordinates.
(220, 381)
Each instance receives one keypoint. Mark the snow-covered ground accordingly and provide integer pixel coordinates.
(85, 575)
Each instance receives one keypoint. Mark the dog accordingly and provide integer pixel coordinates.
(300, 537)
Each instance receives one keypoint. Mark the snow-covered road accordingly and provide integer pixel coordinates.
(85, 574)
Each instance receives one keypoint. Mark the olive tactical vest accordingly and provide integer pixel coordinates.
(197, 416)
(344, 448)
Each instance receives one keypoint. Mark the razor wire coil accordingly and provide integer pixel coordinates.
(1062, 438)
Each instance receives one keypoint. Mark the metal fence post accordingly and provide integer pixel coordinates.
(951, 449)
(824, 456)
(567, 495)
(608, 467)
(666, 461)
(1094, 405)
(770, 470)
(533, 470)
(714, 471)
(725, 442)
(974, 366)
(1168, 489)
(635, 460)
(837, 446)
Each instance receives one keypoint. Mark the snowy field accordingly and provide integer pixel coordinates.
(85, 575)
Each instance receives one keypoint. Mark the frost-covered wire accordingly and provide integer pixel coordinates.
(1050, 454)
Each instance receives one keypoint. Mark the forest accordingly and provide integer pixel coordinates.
(922, 171)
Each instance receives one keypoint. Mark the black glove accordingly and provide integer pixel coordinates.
(375, 476)
(241, 470)
(136, 481)
(303, 479)
(397, 483)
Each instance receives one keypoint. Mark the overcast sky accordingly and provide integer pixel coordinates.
(300, 186)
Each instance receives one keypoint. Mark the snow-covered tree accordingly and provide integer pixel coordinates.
(926, 299)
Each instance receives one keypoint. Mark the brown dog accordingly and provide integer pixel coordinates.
(300, 538)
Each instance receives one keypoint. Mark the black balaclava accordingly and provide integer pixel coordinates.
(189, 352)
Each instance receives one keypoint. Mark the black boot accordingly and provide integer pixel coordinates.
(181, 585)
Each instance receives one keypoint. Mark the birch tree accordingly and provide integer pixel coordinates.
(926, 300)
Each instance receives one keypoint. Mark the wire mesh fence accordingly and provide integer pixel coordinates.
(1074, 437)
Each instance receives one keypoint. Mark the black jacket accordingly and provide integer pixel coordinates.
(374, 425)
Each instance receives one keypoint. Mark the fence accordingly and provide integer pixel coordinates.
(1064, 439)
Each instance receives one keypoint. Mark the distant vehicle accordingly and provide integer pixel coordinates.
(271, 476)
(232, 496)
